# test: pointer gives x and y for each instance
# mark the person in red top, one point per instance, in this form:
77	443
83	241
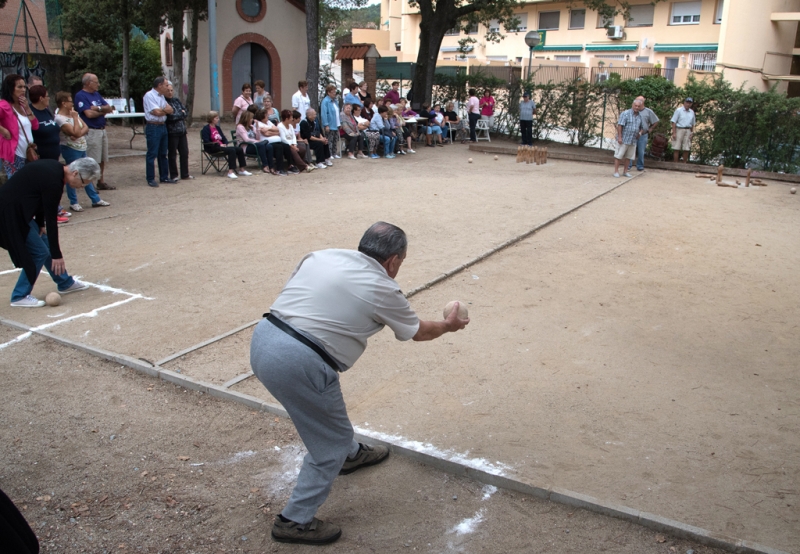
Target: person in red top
487	107
393	96
16	124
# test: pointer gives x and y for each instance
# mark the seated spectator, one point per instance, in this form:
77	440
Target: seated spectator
351	97
350	133
268	134
73	147
311	132
272	114
286	129
432	129
406	109
440	121
363	127
246	135
214	141
329	120
380	123
302	144
241	103
367	111
260	94
399	128
452	121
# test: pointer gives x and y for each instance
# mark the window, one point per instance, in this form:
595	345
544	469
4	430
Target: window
703	61
720	5
454	32
523	21
549	21
686	13
497	58
494	26
168	51
641	15
610	57
577	19
604	21
251	8
645	59
567	58
473	30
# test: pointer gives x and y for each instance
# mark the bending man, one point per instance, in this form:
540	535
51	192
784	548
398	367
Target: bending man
317	328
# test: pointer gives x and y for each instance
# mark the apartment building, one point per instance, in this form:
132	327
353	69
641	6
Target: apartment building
755	42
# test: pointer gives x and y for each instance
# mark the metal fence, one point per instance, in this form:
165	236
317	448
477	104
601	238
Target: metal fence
603	73
544	74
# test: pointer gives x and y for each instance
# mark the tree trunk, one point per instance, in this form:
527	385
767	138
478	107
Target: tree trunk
192	64
430	40
312	40
177	53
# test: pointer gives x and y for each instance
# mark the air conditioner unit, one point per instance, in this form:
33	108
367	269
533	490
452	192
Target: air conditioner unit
614	32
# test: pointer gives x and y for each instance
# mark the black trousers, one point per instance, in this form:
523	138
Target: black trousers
321	150
355	144
231	151
177	144
526	129
473	121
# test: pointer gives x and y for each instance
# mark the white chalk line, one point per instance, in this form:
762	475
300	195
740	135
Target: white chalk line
92	313
7	271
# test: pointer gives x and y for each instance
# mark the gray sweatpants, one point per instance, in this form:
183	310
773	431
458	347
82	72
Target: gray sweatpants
309	390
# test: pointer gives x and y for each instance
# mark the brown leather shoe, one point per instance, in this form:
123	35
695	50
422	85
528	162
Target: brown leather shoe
102	185
315	532
367	456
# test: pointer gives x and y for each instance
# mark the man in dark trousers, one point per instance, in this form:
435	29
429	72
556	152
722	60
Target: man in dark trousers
28	227
317	328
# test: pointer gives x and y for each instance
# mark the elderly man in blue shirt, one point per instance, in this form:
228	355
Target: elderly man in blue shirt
629	129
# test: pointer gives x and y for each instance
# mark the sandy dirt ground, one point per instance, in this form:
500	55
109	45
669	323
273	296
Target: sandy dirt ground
640	350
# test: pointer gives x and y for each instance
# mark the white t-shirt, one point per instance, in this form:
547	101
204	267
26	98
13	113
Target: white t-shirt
287	134
67	140
262	127
301	103
25	135
341	298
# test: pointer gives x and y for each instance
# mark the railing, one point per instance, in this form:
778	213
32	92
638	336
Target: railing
603	73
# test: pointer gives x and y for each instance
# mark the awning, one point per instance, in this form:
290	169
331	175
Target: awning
357	52
561	48
612	47
455	49
710	47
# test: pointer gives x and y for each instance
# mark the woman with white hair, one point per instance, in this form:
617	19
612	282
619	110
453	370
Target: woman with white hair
28	226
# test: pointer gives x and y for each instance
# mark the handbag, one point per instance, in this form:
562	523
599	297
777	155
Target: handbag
31	154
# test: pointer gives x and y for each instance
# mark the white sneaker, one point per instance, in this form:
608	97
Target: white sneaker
328	162
626	174
245	172
76	286
232	176
409	150
321	166
616	174
100	204
337	156
309	168
28	302
351	157
76	207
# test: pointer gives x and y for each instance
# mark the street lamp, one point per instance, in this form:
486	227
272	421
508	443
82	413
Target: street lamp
532	39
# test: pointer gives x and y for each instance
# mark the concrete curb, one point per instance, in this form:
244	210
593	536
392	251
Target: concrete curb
511	150
553	494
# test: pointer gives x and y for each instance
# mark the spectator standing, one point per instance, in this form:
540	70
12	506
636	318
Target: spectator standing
311	132
629	129
300	100
73	147
177	142
34	80
93	108
527	109
156	111
260	94
46	137
272	114
352	95
329	118
393	96
242	102
683	122
363	93
214	141
308	338
649	122
28	225
473	113
16	124
487	107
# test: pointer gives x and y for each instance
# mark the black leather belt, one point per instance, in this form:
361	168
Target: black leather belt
295	335
155	122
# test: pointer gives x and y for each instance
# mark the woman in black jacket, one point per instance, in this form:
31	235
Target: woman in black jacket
176	133
214	141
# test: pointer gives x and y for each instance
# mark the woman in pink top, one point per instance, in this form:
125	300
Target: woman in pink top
487	107
15	115
240	104
474	114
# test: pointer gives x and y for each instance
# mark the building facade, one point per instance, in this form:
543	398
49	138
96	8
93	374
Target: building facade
256	40
753	41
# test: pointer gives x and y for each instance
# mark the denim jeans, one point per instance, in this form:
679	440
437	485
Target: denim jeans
434	129
641	144
39	249
388	144
70	155
259	149
156	136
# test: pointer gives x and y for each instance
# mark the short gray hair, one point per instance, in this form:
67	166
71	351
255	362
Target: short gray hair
382	241
158	80
86	78
87	168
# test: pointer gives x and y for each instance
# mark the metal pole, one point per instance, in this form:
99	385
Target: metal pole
530	60
16	23
212	55
25	23
603	122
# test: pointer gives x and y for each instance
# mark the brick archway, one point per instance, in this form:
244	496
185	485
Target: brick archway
227	68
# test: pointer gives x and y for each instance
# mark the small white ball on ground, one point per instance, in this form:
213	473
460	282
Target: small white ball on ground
463	313
793	190
496	158
469	160
52	299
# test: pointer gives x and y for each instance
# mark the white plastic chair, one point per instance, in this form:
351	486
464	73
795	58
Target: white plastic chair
482	128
